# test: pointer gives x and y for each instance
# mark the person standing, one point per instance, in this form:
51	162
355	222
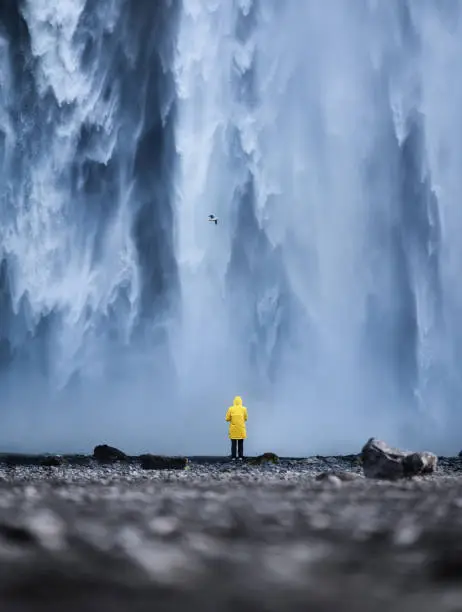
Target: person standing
236	416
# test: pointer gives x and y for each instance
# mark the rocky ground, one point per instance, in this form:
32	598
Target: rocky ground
226	537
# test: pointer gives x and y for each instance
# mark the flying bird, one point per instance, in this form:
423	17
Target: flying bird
213	219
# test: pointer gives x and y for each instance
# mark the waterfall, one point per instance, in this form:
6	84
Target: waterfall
88	267
324	136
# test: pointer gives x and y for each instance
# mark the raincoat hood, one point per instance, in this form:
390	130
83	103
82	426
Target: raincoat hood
238	401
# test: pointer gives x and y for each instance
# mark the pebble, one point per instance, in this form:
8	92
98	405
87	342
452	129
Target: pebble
224	536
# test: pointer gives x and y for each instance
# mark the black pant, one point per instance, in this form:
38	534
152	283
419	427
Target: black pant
240	448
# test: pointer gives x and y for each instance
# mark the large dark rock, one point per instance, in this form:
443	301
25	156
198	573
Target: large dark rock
382	461
160	462
108	454
265	458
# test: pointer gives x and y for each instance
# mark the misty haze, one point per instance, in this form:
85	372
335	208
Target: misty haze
326	137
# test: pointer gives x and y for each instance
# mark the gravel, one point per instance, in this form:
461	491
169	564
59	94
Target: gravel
307	534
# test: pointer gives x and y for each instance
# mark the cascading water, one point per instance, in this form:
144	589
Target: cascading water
88	267
325	138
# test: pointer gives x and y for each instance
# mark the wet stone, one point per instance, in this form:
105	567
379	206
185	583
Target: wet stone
108	454
381	461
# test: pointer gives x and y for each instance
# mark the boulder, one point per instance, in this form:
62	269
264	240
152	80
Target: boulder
384	462
108	454
265	458
160	462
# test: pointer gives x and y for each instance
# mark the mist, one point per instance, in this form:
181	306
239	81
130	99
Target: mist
326	137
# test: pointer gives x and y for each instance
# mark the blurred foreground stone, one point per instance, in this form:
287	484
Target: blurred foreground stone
309	534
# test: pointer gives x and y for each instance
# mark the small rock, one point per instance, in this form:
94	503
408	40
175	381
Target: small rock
340	475
16	534
265	458
330	477
48	528
164	526
53	461
160	462
384	462
108	454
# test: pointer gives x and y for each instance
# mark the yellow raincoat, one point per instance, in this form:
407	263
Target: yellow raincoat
236	416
